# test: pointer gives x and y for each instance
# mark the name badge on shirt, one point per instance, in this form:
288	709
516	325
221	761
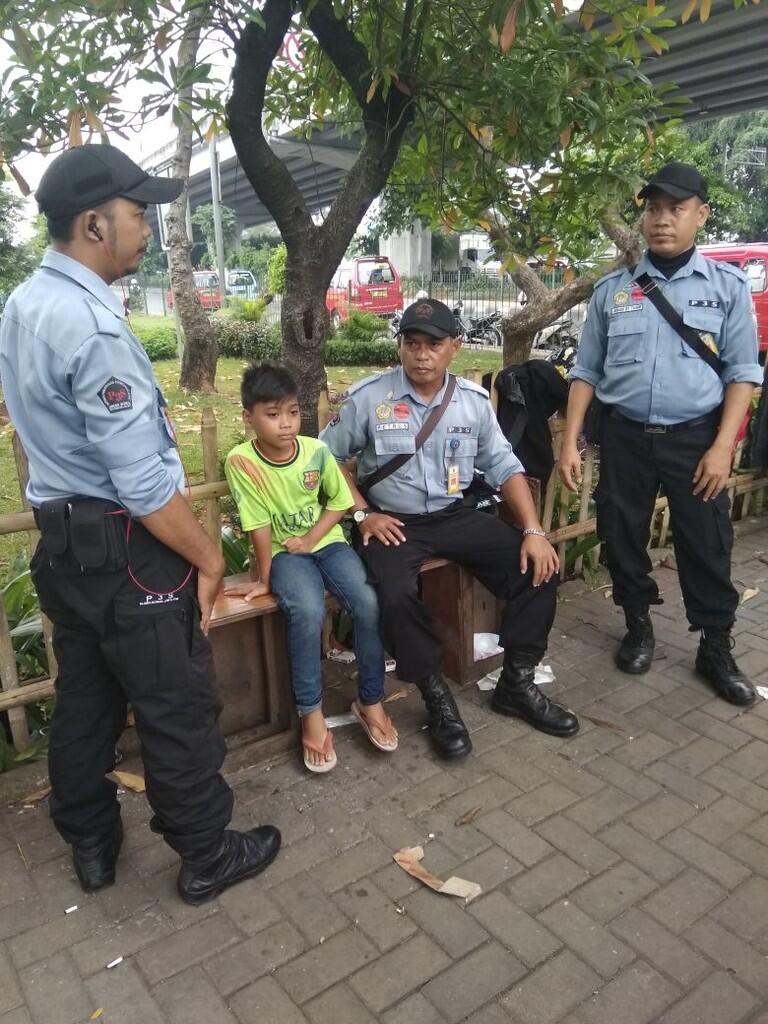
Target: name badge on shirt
705	303
453	479
633	307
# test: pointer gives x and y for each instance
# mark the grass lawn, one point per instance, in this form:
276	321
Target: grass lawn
186	410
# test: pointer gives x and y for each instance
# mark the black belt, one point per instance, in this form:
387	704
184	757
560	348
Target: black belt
710	419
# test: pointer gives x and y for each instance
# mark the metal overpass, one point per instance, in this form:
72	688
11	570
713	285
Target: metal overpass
720	65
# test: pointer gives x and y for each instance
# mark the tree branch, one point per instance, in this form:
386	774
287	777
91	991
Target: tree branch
255	52
384	120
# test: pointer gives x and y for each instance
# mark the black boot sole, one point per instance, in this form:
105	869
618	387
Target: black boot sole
211	894
535	724
724	696
452	755
632	670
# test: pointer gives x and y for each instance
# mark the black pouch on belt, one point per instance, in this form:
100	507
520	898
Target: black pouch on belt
81	536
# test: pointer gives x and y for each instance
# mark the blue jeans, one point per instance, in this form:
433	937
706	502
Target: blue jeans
299	583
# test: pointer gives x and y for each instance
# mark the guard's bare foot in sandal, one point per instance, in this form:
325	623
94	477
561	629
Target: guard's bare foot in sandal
317	743
377	724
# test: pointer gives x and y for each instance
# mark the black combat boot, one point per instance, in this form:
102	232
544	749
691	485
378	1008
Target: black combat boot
636	652
518	696
448	733
95	859
240	855
715	662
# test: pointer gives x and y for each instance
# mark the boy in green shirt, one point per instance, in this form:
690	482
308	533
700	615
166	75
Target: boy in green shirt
291	497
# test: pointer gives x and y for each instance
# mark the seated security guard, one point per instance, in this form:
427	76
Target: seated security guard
671	416
417	511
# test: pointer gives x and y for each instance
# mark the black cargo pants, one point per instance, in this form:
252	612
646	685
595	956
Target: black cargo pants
117	643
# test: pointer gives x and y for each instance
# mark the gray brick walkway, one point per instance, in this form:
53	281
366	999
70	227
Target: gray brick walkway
624	872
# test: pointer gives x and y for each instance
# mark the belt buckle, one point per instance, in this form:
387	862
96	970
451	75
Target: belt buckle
654	428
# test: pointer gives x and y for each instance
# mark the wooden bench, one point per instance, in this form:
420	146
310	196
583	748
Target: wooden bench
249	650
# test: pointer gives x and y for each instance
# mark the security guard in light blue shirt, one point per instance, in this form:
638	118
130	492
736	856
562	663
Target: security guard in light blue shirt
418	511
81	392
123	570
669	419
387	409
639	364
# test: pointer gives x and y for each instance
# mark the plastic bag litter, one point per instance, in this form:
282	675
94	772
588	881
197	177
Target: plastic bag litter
544	675
336	721
762	691
346	657
486	645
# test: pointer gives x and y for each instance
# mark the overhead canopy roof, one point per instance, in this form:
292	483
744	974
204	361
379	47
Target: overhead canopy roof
721	65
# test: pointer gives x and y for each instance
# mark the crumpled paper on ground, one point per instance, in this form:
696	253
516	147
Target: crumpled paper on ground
762	691
544	675
408	859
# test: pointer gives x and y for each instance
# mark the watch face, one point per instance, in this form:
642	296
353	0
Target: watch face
359	515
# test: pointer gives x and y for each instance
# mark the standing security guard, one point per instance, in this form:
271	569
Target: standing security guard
671	415
123	569
415	510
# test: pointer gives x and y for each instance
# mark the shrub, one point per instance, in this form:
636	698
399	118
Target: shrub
362	328
340	352
158	340
251	310
276	269
246	339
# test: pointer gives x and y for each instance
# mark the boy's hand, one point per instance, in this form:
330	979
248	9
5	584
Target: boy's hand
298	545
247	590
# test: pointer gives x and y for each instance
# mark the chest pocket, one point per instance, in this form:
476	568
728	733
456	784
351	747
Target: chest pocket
463	457
390	445
626	339
705	321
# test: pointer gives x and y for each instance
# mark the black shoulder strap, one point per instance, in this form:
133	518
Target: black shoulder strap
689	334
427	427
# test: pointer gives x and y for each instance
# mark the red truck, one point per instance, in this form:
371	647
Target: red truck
752	258
370	284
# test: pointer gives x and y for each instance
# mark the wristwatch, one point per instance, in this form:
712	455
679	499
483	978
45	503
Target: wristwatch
361	514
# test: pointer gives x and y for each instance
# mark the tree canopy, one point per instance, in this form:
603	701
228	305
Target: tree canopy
505	111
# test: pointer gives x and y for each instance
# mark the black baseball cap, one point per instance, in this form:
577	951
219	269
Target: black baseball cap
86	176
431	317
681	181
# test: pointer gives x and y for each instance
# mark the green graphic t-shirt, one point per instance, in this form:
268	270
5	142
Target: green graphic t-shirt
288	496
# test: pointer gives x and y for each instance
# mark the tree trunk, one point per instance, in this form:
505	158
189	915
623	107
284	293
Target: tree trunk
198	362
305	323
313	252
517	342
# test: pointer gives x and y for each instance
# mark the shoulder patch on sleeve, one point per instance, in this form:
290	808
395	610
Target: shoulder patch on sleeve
362	384
728	268
612	276
469	385
116	395
105	321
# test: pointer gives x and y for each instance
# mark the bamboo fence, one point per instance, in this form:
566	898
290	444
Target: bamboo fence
750	487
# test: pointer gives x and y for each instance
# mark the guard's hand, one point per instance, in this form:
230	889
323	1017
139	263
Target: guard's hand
247	590
383	528
712	472
541	556
297	545
569	467
208	586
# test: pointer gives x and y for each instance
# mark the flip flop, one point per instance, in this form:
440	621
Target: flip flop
357	711
326	747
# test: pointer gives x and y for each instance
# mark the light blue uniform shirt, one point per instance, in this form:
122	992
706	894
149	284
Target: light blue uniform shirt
381	417
641	365
82	395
